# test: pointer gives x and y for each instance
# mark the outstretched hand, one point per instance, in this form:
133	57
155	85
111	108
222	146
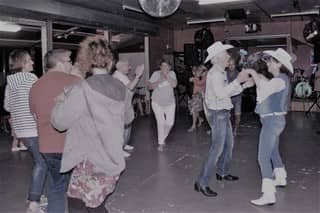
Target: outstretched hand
139	70
248	83
249	71
242	77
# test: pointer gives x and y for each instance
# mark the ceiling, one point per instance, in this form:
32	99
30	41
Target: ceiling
256	10
68	36
112	15
75	19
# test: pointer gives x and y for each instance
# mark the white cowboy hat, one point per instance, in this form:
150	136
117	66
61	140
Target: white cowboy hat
282	56
216	48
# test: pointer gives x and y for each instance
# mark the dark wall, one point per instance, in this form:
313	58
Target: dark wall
160	45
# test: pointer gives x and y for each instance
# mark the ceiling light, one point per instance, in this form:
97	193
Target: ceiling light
9	27
200	21
303	13
131	8
204	2
271	45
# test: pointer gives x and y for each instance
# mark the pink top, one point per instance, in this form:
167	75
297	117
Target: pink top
199	85
42	95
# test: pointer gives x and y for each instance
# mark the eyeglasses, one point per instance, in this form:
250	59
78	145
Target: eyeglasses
266	58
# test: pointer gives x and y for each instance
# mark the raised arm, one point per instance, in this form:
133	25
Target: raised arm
139	72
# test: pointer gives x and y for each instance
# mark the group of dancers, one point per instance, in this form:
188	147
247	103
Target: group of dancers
273	95
94	138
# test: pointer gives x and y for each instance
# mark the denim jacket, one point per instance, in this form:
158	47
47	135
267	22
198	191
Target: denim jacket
277	103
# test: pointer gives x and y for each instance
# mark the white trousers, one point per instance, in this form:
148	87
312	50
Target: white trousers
165	120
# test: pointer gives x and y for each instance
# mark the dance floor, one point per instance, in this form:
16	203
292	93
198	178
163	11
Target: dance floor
162	182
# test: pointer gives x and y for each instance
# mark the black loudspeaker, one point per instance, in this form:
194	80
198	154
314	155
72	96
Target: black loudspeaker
203	38
311	31
190	54
316	53
237	14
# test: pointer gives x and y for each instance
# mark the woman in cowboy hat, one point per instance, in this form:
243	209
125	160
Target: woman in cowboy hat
272	105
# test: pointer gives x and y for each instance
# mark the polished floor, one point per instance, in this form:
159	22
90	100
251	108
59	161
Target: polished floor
162	182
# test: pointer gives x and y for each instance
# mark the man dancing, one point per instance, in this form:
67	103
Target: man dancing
217	98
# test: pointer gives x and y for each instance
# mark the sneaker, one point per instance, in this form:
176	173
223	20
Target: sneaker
128	148
43	201
191	129
161	147
126	154
34	207
14	149
22	147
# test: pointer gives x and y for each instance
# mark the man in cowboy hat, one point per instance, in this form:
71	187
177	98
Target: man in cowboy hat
217	98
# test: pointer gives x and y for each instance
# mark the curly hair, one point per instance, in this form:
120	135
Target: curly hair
93	52
17	60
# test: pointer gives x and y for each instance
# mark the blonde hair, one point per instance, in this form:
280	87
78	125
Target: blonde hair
17	60
93	52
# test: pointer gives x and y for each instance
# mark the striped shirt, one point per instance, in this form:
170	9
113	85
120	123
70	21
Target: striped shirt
16	102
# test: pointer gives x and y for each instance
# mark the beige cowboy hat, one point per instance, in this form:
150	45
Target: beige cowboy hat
282	56
215	49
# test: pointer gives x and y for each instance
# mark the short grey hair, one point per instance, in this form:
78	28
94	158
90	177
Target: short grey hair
52	57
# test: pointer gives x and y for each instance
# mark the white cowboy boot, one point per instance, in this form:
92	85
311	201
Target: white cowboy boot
280	175
268	197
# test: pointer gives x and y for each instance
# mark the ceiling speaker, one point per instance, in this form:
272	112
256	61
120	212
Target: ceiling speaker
159	8
311	31
203	38
237	14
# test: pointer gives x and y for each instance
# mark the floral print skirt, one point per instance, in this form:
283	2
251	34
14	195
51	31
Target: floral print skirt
196	103
90	185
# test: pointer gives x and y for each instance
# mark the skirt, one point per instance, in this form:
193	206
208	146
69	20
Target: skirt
196	103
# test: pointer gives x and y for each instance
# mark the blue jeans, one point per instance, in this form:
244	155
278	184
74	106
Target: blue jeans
268	154
127	134
39	169
58	183
220	153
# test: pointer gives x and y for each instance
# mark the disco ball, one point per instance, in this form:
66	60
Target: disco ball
159	8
